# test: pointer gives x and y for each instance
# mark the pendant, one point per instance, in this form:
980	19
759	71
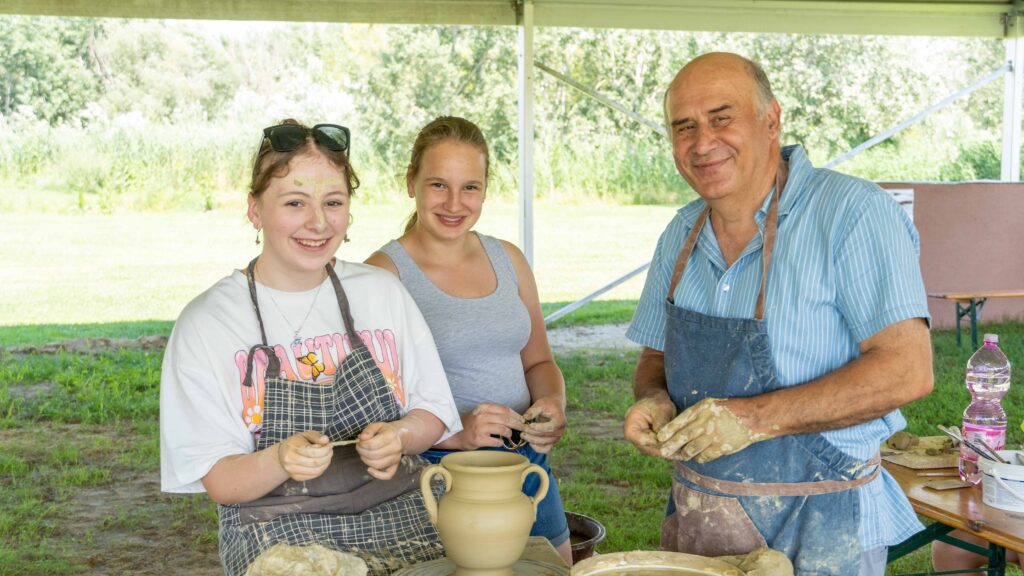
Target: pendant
296	341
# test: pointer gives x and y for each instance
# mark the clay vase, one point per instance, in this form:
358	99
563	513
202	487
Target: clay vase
483	518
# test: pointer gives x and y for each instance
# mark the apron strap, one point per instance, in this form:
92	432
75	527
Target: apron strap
771	226
250	275
770	229
273	364
346	312
779	488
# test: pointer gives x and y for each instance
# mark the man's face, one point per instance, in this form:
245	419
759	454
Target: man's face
720	145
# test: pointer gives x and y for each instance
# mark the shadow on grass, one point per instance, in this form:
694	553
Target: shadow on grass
39	334
598	312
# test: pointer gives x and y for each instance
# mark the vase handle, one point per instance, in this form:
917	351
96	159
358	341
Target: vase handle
542	491
428	495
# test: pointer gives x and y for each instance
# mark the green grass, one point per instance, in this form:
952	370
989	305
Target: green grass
94	427
98	269
73	425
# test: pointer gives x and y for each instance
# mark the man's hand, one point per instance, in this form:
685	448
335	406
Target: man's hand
706	431
304	456
548	424
380	448
644	419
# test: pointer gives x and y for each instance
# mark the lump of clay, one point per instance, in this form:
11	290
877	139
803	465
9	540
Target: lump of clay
902	441
311	560
761	562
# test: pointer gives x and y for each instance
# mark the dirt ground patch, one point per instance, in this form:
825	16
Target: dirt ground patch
116	521
119	523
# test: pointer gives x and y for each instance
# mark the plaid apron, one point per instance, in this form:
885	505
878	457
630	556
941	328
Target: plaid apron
383	522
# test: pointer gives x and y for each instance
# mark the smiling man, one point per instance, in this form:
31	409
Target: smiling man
784	322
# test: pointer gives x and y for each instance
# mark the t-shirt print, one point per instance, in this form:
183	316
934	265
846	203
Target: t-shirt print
316	360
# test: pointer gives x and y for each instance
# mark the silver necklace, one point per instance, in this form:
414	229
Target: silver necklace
295	331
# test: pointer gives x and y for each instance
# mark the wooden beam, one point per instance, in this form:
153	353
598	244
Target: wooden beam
474	12
964	18
881	17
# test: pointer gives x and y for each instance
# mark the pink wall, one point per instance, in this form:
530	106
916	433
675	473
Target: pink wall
972	238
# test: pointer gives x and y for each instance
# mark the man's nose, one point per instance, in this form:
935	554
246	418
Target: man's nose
704	140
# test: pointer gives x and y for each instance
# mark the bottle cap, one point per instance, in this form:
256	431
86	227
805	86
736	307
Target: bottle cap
993	338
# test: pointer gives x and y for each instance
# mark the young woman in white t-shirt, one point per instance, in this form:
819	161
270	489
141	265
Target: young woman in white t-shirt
293	352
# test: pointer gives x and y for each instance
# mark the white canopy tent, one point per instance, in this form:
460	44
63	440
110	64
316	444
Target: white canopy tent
982	18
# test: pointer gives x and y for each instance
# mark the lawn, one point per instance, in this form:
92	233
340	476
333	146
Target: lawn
79	449
79	454
87	269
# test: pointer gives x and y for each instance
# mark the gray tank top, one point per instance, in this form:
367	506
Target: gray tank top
479	339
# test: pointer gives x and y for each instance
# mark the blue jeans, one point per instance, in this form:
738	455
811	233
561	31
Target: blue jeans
550	522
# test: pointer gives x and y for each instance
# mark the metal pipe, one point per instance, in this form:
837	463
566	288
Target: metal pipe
919	116
570	308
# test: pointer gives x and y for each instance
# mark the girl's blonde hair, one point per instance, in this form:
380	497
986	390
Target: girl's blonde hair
443	129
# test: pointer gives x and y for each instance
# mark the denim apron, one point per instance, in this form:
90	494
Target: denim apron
793	493
384	522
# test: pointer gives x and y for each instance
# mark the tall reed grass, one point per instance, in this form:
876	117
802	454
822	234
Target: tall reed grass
131	164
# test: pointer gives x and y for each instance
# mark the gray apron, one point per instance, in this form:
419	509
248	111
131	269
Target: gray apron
382	521
793	493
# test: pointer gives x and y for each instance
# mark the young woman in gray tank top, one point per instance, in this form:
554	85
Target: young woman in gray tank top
480	300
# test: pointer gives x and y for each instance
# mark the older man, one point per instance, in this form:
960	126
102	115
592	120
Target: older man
784	321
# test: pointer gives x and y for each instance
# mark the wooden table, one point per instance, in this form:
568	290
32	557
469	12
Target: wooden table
959	509
970	304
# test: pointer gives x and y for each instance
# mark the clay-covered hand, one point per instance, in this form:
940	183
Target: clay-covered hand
486	424
761	562
304	456
545	423
706	431
380	448
644	419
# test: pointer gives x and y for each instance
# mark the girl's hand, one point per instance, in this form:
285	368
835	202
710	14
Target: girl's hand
486	424
545	423
304	456
380	448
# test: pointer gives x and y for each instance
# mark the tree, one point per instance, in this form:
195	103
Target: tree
48	64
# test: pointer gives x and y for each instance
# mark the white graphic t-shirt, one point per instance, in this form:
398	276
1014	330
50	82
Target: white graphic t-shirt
205	411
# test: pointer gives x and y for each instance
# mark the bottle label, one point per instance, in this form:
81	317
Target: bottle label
993	435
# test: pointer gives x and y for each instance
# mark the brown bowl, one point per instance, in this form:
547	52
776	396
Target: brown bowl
584	534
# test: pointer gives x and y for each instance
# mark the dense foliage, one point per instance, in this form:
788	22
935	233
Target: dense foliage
108	114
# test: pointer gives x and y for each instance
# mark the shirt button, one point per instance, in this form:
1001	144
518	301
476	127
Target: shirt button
725	288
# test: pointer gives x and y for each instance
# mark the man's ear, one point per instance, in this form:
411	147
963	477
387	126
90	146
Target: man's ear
775	119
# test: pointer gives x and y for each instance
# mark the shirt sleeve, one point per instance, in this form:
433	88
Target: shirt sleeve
878	270
197	426
648	325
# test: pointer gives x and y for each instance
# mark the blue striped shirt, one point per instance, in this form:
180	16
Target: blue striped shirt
845	266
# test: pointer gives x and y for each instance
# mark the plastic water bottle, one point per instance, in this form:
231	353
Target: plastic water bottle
988	379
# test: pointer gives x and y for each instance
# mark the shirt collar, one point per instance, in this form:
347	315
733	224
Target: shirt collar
799	171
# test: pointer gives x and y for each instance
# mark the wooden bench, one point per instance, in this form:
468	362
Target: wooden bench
970	303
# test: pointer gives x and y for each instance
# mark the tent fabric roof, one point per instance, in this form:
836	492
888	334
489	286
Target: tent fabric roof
881	17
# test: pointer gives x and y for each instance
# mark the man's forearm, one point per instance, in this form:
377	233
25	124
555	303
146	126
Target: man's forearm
894	368
649	380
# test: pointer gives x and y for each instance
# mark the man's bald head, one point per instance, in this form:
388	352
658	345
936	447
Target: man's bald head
722	61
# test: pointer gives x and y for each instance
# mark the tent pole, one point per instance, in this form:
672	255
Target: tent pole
525	88
1012	95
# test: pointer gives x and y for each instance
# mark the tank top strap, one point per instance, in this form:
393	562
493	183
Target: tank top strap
500	262
407	268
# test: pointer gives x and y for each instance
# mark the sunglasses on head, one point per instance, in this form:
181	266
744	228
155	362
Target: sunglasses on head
288	137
